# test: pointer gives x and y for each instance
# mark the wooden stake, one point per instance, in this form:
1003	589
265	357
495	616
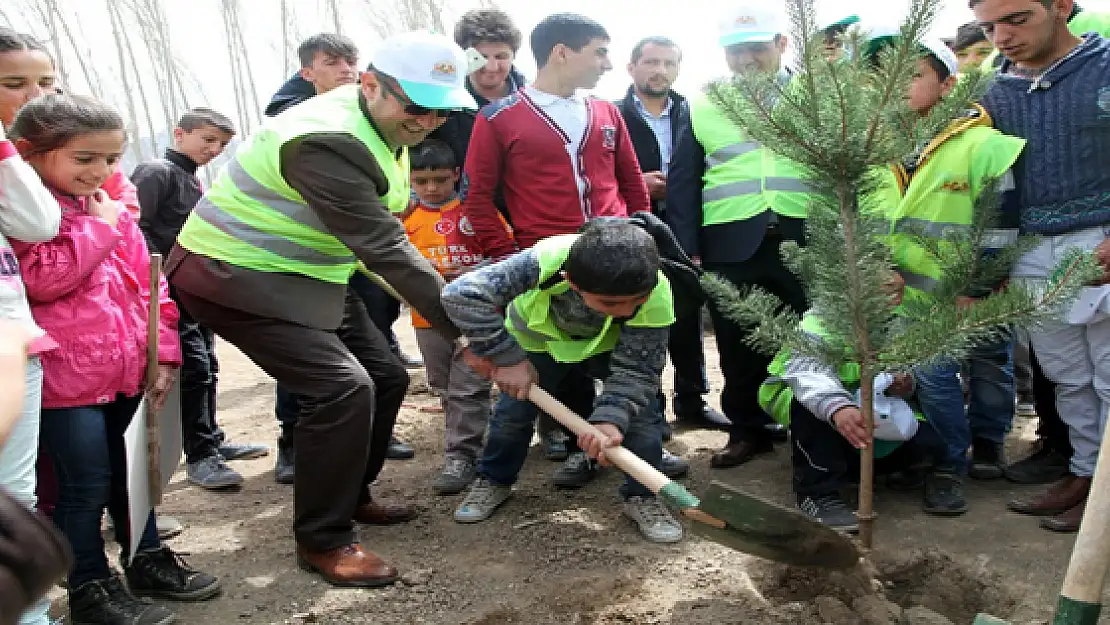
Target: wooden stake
153	429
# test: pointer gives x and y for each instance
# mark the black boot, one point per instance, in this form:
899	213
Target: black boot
163	573
1044	466
107	602
399	450
284	468
986	460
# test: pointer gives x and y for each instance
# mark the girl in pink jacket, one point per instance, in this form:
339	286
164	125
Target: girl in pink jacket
89	288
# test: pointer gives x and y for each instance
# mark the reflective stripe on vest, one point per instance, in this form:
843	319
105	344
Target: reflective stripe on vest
939	202
251	217
741	178
528	316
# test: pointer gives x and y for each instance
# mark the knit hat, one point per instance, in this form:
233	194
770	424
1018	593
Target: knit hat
430	68
751	23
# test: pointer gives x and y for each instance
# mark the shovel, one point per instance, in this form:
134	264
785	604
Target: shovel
1080	600
726	515
153	434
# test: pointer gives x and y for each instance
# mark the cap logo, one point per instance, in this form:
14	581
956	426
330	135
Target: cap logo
444	69
746	20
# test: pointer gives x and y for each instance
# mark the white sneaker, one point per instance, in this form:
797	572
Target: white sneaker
484	497
654	519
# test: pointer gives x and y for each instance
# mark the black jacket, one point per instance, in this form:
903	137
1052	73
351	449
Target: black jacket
168	189
643	139
455	132
293	92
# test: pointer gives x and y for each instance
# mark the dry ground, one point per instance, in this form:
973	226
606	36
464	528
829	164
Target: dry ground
553	557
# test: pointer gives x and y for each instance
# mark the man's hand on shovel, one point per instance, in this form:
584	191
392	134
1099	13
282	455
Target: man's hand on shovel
595	445
515	380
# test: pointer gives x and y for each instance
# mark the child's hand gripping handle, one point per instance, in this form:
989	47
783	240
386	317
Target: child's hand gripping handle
625	460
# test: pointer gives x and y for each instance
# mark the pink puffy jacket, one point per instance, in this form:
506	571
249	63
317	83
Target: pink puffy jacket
89	288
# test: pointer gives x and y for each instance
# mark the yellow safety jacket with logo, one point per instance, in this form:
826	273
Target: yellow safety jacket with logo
742	178
775	395
528	317
939	198
252	218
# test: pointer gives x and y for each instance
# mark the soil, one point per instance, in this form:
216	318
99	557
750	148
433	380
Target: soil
552	557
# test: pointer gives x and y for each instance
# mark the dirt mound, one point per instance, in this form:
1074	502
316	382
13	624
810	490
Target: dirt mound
922	587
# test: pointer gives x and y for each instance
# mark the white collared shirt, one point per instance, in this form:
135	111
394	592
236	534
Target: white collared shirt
570	115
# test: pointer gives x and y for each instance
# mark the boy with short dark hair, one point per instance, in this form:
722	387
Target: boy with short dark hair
328	60
168	189
971	46
436	225
593	303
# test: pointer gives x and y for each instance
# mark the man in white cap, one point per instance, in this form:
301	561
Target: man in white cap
732	204
264	261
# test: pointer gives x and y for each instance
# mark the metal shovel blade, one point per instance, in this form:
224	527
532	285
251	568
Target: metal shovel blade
769	530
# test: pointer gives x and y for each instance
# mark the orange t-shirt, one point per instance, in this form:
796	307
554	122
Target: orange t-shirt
445	237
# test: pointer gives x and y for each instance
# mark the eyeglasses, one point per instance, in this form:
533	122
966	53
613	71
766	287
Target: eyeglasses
411	107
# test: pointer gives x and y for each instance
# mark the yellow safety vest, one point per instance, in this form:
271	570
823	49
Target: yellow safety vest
940	197
742	178
252	218
528	316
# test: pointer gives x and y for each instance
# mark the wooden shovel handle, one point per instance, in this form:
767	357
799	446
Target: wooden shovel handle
625	460
1091	554
153	318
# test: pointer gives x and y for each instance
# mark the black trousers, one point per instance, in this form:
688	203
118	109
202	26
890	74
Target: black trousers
824	461
1050	427
745	369
200	435
688	359
350	387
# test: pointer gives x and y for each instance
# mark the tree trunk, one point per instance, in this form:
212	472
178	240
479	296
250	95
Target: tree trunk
866	512
113	6
117	37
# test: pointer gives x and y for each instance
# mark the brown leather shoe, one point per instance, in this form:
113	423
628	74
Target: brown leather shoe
735	454
384	513
1061	496
1066	522
349	566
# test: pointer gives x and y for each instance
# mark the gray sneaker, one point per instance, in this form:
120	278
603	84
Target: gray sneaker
213	473
458	473
577	471
654	519
484	497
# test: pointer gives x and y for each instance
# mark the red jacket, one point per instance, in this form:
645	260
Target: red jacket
517	149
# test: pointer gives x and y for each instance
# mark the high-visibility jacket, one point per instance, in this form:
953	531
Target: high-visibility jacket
252	218
742	178
528	316
775	395
1082	22
939	199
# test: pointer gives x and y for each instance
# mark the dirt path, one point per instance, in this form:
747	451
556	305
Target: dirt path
552	557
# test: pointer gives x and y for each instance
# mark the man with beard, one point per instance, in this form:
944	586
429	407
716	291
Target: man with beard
655	114
264	260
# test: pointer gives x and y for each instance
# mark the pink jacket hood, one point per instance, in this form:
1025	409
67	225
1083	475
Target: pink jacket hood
89	288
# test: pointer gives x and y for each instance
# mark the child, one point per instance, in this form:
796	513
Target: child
436	226
89	288
971	46
810	398
936	190
28	212
168	189
593	303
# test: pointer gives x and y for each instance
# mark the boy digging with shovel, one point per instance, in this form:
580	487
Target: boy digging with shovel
596	302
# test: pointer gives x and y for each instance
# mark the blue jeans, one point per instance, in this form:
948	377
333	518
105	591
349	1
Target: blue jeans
86	446
992	401
511	426
990	410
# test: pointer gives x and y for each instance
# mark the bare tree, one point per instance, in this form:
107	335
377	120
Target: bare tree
129	99
333	11
123	39
403	15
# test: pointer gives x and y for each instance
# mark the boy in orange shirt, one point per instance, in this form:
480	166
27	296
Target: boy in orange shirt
436	225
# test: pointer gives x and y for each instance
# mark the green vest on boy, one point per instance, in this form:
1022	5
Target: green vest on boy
252	218
775	395
528	316
742	178
940	197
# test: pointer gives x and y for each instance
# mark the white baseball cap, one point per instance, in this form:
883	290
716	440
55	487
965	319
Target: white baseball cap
934	45
430	68
751	24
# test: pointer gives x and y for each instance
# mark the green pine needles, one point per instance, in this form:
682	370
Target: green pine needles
845	122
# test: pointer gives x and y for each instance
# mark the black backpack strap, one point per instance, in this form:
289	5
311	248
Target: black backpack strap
555	278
